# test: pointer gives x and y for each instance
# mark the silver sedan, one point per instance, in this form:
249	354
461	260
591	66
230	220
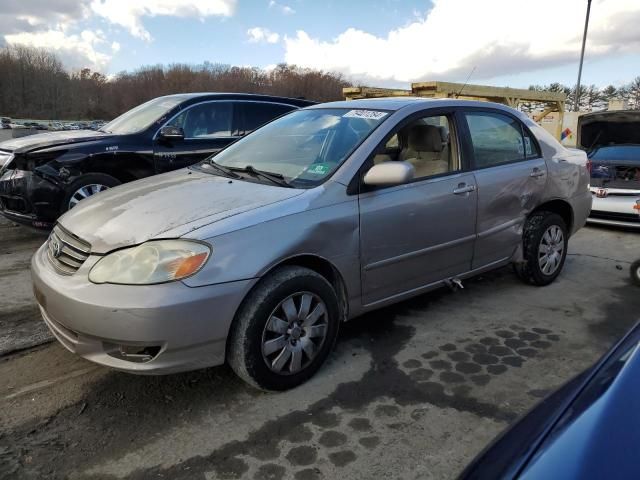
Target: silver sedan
257	255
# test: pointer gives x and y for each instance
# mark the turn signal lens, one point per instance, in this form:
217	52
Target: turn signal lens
184	267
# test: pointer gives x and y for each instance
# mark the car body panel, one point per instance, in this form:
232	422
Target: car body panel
587	429
429	248
164	207
253	226
83	318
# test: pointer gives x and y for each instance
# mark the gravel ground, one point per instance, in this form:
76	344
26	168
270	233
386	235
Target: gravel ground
412	391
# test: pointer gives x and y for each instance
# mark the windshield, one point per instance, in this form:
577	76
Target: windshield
617	152
305	146
142	116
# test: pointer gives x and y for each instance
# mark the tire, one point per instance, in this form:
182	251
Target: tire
252	330
634	271
533	270
87	181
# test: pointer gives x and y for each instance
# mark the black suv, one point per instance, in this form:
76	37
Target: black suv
42	176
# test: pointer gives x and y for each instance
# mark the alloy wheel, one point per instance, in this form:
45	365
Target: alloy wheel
85	192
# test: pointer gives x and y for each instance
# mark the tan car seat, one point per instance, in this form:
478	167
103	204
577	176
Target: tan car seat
424	151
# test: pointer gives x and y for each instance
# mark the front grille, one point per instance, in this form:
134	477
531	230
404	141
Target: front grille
66	252
620	217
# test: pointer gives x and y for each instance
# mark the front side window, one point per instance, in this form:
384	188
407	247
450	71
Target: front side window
497	139
306	146
205	120
426	144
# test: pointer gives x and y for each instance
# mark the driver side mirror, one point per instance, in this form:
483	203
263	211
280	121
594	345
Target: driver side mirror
172	133
389	173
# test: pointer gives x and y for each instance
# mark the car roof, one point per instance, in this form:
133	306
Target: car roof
398	103
199	96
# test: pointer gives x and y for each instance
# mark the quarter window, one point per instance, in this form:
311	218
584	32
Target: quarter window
206	120
497	139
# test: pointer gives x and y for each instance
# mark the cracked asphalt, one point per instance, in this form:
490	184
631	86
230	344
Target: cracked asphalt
415	390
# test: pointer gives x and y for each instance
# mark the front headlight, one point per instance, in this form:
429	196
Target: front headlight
157	261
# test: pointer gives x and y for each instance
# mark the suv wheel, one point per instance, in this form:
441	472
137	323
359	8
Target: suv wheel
544	247
86	186
284	330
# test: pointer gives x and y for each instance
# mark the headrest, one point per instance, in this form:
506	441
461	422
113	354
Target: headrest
425	138
444	133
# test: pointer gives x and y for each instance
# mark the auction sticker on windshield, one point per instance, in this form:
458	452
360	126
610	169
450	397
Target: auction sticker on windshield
319	169
367	114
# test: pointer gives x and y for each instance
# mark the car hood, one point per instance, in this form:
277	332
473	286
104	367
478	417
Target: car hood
51	139
608	128
165	206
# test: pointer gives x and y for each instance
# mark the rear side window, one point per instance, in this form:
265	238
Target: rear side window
255	115
498	139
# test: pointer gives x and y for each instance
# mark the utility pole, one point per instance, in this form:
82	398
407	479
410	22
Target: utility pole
576	102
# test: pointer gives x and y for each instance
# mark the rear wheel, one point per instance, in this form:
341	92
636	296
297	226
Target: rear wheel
86	186
284	329
634	271
544	248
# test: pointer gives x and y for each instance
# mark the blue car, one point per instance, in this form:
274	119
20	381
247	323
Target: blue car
588	429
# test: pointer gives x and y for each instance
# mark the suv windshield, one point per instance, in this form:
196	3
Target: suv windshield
305	146
142	116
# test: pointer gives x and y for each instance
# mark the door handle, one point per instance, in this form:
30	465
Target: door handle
536	172
463	188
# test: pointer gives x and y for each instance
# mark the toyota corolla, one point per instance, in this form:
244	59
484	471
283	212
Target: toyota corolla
255	256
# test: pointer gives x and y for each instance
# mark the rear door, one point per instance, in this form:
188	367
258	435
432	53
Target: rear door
510	173
208	127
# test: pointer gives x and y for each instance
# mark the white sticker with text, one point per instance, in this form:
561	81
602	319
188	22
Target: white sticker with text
366	114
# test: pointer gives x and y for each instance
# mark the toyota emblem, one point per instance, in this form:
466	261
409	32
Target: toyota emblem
602	192
56	248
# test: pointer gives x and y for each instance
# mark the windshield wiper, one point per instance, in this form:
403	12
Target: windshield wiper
276	178
225	170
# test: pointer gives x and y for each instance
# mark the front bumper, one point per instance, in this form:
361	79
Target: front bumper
29	199
178	328
615	210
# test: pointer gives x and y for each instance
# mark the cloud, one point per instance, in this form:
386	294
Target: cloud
75	50
495	36
262	35
128	13
35	15
284	9
115	47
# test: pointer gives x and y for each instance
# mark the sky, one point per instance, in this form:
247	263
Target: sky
387	43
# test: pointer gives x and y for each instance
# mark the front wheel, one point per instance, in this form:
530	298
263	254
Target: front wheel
284	329
634	271
544	248
86	186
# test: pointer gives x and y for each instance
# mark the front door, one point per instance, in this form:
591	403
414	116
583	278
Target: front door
415	234
208	128
511	174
